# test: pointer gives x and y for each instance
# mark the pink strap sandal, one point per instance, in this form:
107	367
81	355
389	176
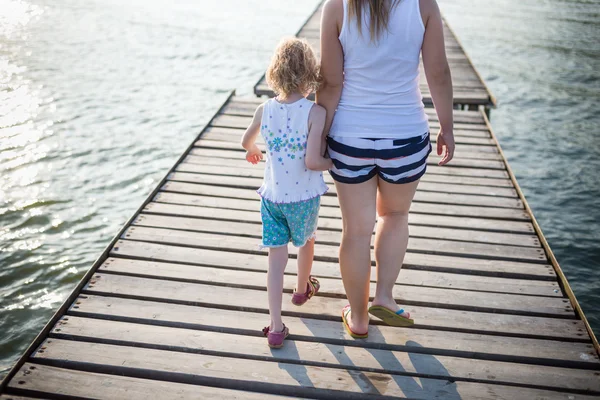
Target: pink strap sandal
275	339
312	288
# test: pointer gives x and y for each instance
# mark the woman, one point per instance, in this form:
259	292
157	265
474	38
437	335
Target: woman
378	135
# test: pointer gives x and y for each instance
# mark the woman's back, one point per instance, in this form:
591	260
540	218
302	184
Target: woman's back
381	96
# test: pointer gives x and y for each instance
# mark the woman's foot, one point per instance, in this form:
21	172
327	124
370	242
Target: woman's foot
275	339
392	306
390	313
355	330
312	288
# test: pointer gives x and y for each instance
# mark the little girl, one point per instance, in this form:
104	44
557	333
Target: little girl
292	129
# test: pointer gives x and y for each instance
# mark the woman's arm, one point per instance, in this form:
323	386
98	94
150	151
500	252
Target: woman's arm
438	76
332	60
314	159
253	153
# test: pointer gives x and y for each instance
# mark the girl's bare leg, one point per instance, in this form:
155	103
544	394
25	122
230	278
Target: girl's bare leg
305	261
278	258
357	202
391	238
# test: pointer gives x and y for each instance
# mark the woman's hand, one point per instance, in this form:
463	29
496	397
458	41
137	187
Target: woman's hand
445	146
254	155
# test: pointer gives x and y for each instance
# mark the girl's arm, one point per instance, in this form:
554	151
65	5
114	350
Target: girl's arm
438	76
332	60
314	157
253	153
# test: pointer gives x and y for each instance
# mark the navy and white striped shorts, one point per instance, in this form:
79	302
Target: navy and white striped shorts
357	160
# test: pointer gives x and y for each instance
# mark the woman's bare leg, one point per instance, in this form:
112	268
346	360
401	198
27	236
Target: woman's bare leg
391	238
357	202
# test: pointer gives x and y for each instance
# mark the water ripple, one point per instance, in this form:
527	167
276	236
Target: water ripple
97	100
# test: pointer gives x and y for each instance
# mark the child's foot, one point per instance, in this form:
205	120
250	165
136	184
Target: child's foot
312	288
275	339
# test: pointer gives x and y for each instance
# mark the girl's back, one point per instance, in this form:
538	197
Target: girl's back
381	96
284	128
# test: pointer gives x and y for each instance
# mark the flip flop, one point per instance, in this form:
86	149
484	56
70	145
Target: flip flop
355	335
390	317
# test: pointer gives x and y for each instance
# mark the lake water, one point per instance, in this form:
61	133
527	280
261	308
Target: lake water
99	98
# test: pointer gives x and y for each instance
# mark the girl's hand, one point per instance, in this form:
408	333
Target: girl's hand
445	145
254	155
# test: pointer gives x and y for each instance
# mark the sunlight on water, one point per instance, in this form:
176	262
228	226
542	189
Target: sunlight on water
15	15
97	100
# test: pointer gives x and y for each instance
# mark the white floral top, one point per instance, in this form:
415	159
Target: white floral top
284	128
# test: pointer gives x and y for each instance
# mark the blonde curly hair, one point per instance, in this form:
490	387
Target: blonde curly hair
293	68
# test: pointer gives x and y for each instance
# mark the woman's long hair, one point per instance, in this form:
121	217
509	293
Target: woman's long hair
379	14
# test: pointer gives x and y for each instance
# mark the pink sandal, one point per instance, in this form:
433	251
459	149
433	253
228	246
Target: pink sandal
275	339
312	288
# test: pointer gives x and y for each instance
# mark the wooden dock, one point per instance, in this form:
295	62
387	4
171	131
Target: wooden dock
470	90
174	307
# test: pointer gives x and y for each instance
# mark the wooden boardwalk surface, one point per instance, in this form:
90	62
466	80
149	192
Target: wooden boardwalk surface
470	90
175	306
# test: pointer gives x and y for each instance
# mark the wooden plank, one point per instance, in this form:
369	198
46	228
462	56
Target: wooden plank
256	171
461	94
497	175
422	204
329	308
481	225
462	152
234	125
448	193
433	159
239	220
508	303
332	291
314	328
468	135
463	138
479	134
464	92
313	353
328	251
468	148
412	261
51	381
241	122
246	107
195	273
271	377
507	195
453	241
466	84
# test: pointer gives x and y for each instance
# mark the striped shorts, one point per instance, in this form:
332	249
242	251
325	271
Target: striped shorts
357	160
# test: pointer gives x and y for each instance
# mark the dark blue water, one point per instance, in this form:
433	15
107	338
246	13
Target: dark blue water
541	59
98	98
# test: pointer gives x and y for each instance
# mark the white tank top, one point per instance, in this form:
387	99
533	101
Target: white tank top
284	128
381	96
